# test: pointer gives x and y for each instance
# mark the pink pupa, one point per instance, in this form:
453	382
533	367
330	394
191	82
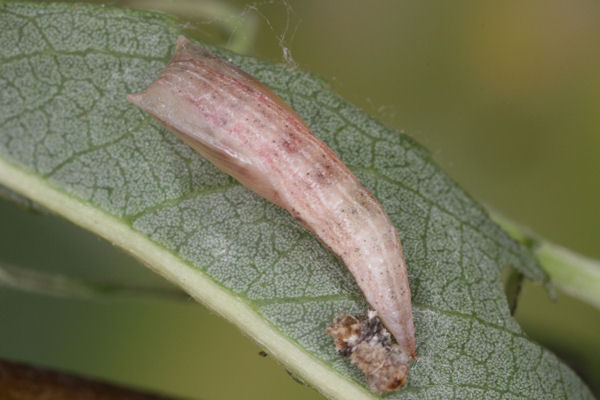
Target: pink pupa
243	128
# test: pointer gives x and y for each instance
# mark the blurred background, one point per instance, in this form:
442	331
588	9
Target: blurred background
504	94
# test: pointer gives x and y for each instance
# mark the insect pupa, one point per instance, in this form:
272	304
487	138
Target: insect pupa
247	131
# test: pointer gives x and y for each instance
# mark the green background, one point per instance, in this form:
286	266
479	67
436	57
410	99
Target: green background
504	94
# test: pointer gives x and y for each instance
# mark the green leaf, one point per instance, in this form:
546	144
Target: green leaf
70	141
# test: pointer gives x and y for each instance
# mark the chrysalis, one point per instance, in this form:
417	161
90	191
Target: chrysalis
247	131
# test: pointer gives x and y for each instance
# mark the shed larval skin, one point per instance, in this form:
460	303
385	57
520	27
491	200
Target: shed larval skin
247	131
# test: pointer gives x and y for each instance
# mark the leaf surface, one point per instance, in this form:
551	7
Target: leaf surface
70	141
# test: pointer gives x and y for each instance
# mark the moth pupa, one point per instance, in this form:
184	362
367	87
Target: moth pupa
247	131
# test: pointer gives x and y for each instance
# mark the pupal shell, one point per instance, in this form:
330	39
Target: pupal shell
247	131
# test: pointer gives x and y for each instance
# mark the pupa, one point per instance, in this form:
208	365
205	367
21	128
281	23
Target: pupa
246	130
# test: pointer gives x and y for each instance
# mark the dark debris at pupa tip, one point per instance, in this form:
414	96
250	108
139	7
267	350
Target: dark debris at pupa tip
368	345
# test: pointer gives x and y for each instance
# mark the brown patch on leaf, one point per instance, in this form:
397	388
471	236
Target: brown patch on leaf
368	345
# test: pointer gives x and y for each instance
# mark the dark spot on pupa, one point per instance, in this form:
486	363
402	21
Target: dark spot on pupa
323	175
366	199
259	123
289	146
289	142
